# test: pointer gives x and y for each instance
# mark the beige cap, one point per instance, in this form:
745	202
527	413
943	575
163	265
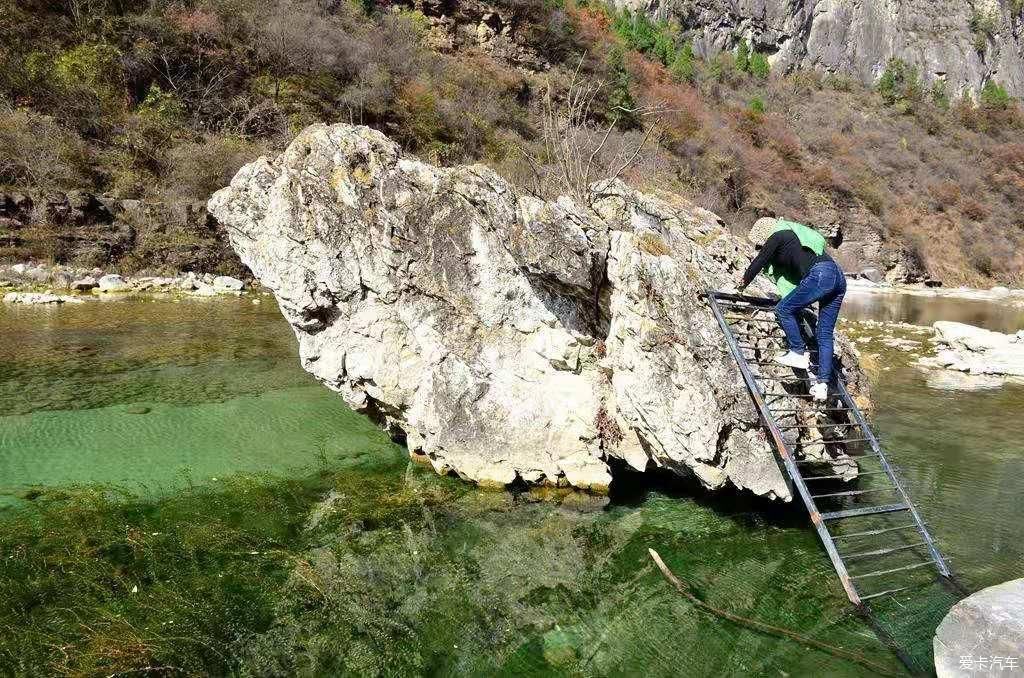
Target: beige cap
762	230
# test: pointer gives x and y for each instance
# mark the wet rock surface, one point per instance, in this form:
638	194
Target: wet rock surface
984	628
501	337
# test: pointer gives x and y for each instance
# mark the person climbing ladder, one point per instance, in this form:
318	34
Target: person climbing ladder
793	257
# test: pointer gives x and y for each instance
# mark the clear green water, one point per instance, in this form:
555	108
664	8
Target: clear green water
415	574
155	394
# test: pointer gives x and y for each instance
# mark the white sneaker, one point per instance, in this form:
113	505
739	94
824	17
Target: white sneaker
800	361
819	392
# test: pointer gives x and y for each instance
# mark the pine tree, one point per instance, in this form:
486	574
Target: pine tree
621	104
683	66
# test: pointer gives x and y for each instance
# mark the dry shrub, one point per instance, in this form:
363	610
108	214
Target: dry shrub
946	194
36	150
200	22
652	244
974	209
196	170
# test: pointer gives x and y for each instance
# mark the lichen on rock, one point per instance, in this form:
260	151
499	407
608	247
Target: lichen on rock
500	336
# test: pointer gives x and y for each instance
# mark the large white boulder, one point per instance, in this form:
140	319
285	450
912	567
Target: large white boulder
112	282
981	628
498	335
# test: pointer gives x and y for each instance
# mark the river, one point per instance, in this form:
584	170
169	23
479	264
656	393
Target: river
157	396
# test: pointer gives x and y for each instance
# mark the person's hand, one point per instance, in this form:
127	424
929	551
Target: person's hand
738	282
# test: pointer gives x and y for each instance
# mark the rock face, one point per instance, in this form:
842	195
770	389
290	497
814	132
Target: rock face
984	626
499	336
961	43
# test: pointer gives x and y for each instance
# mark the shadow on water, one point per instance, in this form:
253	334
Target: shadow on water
633	489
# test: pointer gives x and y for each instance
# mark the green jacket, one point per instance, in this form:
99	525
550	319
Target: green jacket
809	238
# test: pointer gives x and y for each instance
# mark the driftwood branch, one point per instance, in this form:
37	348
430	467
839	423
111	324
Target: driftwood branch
763	627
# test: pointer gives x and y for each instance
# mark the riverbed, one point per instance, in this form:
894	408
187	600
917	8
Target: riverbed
160	396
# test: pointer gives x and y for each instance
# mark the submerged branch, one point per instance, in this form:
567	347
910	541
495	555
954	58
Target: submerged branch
763	627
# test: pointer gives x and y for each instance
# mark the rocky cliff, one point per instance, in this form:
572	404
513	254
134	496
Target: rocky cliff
963	43
502	337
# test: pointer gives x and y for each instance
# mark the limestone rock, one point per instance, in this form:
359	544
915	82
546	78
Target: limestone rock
112	282
84	284
497	335
989	624
228	284
859	38
38	298
977	352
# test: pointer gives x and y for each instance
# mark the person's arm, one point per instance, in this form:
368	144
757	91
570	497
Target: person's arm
763	257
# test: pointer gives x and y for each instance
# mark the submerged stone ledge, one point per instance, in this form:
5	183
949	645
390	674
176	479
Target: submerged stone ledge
501	337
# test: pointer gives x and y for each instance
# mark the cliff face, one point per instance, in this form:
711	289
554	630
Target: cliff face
961	42
499	336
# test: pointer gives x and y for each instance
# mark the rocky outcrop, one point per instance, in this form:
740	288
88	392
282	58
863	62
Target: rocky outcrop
983	634
961	43
992	356
502	337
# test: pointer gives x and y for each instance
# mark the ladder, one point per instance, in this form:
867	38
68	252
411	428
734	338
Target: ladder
874	535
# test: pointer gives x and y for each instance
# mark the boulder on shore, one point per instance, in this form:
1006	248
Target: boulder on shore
112	282
502	337
38	298
980	628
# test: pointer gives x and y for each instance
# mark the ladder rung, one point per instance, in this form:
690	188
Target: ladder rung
870	533
782	379
835	441
747	319
835	477
789	427
824	409
885	593
882	552
853	493
879	573
865	511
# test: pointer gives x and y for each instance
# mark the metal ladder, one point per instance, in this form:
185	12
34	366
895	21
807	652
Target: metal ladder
848	550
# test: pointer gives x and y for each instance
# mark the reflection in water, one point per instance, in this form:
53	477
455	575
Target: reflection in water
992	315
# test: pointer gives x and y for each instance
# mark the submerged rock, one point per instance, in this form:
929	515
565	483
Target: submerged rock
985	627
502	337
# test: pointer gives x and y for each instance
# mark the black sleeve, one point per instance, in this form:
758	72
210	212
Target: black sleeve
764	257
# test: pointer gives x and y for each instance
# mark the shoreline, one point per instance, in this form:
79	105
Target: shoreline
42	284
998	293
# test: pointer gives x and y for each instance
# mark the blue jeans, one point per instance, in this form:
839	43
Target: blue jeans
826	284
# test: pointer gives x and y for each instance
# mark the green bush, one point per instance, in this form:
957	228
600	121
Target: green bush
757	105
993	96
759	66
900	86
984	25
684	66
743	56
621	104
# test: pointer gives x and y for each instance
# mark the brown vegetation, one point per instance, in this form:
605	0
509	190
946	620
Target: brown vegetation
166	100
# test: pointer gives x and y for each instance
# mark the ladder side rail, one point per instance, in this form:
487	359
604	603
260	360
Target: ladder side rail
784	452
940	562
